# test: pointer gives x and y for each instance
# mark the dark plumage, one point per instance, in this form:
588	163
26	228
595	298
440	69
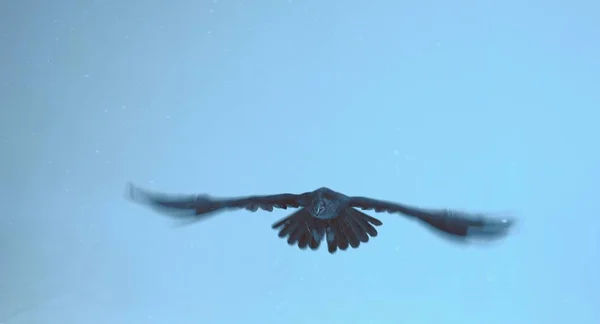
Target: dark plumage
327	215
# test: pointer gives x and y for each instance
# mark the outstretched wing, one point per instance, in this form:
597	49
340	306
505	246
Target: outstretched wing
196	207
460	225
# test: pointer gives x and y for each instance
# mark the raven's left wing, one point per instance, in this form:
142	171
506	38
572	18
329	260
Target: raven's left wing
454	223
196	207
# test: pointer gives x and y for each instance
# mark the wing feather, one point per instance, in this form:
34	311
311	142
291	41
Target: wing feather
200	206
457	224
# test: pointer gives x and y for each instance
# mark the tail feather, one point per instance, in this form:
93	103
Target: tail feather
356	226
296	235
361	234
350	229
314	244
290	224
364	221
347	233
304	240
294	227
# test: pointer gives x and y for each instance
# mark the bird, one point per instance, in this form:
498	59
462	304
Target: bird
325	215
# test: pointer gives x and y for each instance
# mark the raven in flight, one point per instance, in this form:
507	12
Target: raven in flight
327	215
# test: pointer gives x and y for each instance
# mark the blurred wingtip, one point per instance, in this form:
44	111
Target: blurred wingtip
512	224
499	226
160	203
506	220
129	191
134	193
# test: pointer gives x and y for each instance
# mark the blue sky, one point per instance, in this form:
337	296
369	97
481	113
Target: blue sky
482	106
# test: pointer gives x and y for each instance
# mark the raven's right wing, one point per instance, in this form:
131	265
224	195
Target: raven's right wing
454	223
195	207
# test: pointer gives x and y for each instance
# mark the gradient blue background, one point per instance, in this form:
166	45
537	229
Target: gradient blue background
475	105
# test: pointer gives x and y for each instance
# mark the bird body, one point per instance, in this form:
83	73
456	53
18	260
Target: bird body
327	215
325	203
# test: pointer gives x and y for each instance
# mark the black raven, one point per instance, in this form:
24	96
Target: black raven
327	214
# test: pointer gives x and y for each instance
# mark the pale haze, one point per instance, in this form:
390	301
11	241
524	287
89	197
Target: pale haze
482	106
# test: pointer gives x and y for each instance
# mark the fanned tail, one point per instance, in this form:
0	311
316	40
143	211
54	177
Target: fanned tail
349	229
301	229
